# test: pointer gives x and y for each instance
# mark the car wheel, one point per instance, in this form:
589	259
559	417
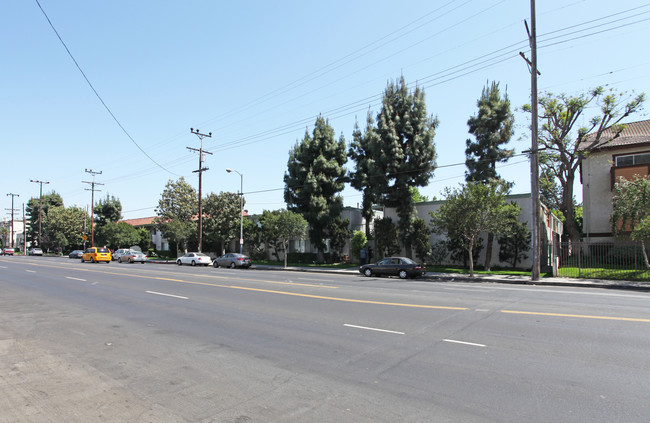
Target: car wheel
82	259
215	264
367	272
232	265
131	261
403	274
178	262
193	263
92	259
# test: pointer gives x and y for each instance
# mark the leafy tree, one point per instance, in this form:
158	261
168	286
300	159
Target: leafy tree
32	209
176	209
420	240
221	221
416	196
4	236
116	235
386	237
313	181
492	128
108	210
631	210
254	239
64	227
514	242
359	242
339	234
400	153
457	248
281	226
362	153
475	208
565	146
144	241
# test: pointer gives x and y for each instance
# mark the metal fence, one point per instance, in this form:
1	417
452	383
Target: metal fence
622	261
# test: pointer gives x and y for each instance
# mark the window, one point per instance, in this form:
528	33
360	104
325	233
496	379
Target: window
632	159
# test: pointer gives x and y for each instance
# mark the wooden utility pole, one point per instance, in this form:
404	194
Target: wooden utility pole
200	171
534	148
12	217
92	203
40	208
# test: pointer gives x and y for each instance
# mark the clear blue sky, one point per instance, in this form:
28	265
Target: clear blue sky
257	74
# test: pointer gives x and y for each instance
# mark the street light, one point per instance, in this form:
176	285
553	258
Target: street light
241	211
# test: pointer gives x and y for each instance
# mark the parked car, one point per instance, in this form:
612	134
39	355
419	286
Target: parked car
194	259
132	257
76	254
233	260
35	252
121	252
96	254
7	251
394	266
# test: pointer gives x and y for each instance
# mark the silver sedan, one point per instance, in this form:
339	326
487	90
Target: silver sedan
194	259
233	260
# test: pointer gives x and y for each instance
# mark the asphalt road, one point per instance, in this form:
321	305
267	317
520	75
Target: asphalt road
162	343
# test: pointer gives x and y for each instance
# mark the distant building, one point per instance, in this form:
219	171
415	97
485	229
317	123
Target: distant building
18	233
157	239
551	230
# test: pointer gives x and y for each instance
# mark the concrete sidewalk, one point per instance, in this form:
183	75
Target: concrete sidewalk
479	278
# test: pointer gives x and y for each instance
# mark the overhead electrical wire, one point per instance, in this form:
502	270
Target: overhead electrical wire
97	94
481	62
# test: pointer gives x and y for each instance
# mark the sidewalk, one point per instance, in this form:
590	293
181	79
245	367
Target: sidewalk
455	277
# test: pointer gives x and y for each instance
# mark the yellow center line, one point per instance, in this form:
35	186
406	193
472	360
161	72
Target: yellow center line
293	294
578	316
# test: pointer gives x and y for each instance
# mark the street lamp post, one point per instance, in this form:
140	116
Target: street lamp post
241	210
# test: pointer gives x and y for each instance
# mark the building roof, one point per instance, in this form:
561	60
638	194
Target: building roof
143	221
140	221
635	133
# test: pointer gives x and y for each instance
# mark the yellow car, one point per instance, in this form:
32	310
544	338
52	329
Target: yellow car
96	254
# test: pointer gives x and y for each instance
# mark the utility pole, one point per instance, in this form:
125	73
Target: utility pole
92	203
12	217
534	149
200	171
40	208
24	231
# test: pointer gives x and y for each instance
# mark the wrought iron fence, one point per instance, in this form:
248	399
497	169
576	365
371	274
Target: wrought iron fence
622	261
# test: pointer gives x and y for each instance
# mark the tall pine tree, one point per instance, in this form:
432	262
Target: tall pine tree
314	180
492	128
405	155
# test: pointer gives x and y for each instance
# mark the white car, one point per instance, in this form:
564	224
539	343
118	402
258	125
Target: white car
132	257
194	259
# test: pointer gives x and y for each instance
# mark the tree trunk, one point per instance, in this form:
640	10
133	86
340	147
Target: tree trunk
488	252
570	226
284	245
471	258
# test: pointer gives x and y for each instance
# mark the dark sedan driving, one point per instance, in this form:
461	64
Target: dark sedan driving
394	266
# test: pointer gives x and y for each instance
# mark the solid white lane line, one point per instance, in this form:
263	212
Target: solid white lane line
375	329
167	295
464	343
75	279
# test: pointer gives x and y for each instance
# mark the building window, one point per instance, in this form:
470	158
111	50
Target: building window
632	159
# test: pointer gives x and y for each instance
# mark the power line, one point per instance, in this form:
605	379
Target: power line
97	94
